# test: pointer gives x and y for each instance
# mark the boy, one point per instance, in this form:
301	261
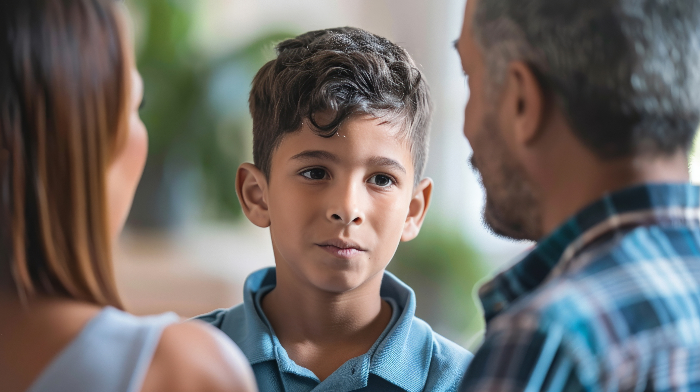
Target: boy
340	134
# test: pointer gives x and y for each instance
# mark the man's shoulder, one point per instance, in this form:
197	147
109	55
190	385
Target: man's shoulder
630	296
631	281
622	277
633	256
628	250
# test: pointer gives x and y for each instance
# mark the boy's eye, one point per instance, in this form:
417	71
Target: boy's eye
314	174
381	180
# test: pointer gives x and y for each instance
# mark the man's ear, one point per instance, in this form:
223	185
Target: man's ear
251	187
525	102
417	209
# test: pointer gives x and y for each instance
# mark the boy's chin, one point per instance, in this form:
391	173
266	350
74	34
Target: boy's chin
338	282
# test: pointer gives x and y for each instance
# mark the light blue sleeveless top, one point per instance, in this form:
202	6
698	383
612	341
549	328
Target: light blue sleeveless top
111	354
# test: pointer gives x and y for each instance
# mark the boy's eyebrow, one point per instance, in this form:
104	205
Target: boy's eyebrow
456	44
373	161
387	162
316	154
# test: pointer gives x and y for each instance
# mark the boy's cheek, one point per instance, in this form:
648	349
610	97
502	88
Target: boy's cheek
392	209
388	222
294	215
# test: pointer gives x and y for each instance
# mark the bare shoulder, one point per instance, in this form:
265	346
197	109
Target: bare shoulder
194	356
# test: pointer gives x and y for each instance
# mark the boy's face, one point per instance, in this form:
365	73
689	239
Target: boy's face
337	207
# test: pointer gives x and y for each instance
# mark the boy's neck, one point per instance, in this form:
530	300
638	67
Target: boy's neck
320	330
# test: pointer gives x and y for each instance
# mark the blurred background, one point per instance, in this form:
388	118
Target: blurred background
187	247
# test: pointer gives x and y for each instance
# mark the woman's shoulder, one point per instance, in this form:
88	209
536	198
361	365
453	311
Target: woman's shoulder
194	356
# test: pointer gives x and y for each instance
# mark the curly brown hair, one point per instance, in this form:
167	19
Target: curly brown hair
346	71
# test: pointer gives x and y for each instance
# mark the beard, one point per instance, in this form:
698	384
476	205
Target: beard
512	208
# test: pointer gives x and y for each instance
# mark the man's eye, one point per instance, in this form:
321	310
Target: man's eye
381	180
314	174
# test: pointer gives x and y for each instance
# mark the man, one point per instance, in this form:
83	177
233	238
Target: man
581	118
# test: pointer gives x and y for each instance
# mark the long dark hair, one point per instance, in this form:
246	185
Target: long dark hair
64	86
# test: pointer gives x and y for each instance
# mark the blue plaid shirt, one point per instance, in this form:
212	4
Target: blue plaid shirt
608	302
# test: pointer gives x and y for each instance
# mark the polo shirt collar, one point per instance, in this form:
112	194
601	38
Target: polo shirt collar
403	356
648	203
254	337
406	345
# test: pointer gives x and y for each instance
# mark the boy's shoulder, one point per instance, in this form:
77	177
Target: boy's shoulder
441	348
249	333
448	366
418	329
234	322
445	350
240	318
217	317
438	363
447	360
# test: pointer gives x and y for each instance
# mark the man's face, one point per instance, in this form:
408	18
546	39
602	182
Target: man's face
512	208
338	205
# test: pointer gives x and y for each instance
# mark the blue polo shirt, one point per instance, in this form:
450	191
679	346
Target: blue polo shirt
408	356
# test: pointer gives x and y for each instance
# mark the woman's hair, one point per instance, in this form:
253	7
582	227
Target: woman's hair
64	89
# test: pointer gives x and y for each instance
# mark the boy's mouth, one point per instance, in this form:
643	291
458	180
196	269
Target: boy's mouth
341	248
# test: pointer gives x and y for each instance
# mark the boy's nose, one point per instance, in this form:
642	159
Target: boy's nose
347	217
345	208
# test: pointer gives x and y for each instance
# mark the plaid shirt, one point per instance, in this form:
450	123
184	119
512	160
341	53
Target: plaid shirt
608	302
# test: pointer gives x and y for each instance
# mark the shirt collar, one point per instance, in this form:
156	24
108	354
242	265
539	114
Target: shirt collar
406	345
642	204
253	335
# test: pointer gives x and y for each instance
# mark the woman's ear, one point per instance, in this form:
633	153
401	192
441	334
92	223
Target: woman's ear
251	187
417	209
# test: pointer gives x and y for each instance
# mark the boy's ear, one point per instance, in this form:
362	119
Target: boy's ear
417	209
251	187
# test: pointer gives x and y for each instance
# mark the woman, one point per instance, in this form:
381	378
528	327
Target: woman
72	149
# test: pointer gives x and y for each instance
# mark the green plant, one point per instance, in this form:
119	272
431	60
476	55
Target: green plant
195	111
442	268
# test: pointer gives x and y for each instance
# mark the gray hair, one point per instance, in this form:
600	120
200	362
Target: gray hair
625	72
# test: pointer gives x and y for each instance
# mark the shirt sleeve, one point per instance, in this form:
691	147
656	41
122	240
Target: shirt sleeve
521	359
